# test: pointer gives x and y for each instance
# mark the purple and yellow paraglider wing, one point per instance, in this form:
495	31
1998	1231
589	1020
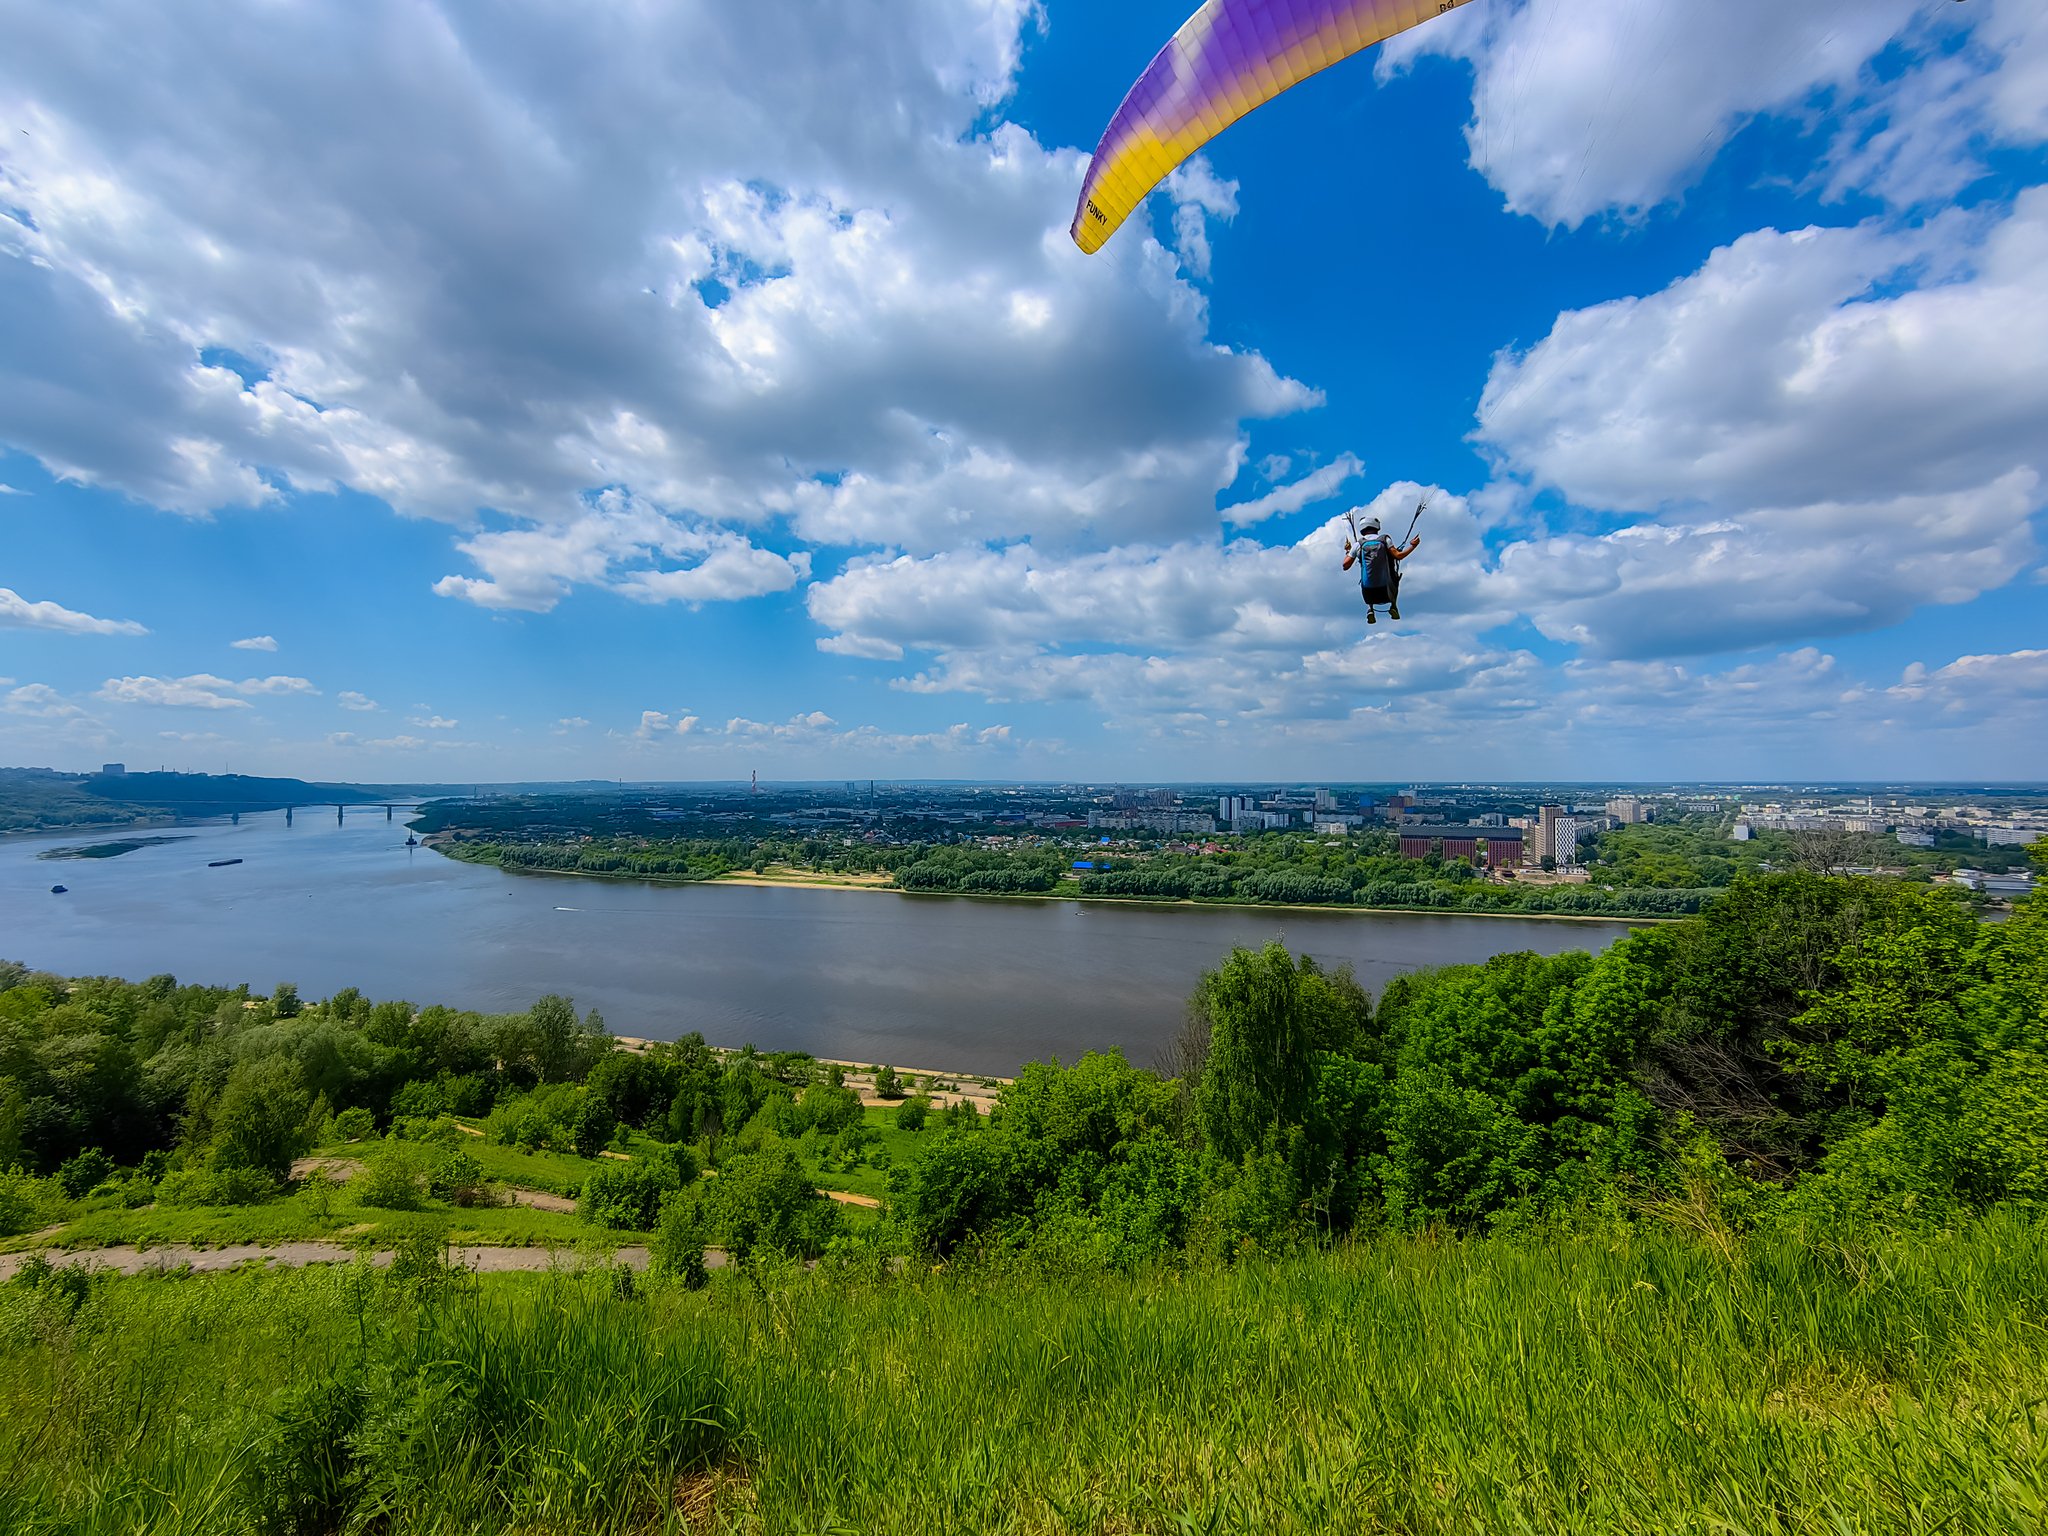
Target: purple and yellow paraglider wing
1227	58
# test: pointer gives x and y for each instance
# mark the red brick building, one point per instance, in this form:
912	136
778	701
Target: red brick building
1503	844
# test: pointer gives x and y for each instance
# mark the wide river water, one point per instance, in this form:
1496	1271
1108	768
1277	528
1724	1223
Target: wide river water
924	981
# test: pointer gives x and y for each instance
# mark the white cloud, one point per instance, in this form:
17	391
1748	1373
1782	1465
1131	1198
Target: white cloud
254	643
349	699
202	690
1829	427
1786	369
1585	108
1677	588
860	645
767	271
1317	485
275	685
191	736
196	692
17	612
433	723
628	547
1198	193
393	743
8	490
41	701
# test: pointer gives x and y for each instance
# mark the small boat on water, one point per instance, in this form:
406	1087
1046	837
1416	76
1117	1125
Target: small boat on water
56	890
411	841
222	863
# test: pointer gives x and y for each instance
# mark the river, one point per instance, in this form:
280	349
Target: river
931	982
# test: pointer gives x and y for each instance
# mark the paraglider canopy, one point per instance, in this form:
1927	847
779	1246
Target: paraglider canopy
1226	59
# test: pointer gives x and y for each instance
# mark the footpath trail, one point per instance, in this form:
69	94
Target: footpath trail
200	1259
170	1256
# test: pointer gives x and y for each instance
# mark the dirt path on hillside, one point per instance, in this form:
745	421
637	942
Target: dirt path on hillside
135	1261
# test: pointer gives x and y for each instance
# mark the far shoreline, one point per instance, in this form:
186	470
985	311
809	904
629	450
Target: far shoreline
1181	903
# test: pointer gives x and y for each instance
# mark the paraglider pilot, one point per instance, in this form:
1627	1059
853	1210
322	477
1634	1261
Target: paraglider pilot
1379	568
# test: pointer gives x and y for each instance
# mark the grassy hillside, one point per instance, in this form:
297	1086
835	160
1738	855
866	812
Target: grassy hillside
1647	1383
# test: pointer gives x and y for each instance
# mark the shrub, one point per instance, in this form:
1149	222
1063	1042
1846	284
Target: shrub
437	1132
21	1202
389	1182
910	1114
419	1265
591	1126
66	1287
677	1249
764	1201
85	1173
886	1084
216	1186
356	1124
419	1098
829	1106
470	1095
686	1161
625	1196
459	1179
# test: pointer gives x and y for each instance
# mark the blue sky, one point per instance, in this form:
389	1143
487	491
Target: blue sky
416	391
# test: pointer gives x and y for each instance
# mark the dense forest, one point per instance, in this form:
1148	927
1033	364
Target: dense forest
1811	1050
1645	871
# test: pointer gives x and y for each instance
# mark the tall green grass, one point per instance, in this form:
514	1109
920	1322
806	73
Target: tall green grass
1647	1383
307	1403
1408	1386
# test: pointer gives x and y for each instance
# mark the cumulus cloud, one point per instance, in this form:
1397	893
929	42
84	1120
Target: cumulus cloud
1316	485
17	612
2001	700
255	643
1198	194
1585	108
748	265
275	685
1830	427
394	743
196	692
349	699
1689	588
1789	369
40	701
628	547
202	690
433	723
861	645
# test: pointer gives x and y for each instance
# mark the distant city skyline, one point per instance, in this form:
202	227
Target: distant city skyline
406	394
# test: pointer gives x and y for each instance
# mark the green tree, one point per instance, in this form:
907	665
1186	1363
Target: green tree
590	1125
763	1200
911	1113
1269	1015
554	1033
260	1117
